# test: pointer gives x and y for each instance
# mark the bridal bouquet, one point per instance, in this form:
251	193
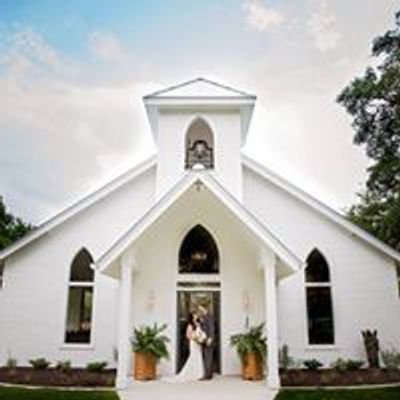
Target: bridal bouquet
199	336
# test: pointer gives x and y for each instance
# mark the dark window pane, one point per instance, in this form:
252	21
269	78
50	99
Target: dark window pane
80	268
79	315
320	316
317	268
198	253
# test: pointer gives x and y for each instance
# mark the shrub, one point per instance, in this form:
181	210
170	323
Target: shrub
391	358
312	364
96	366
353	365
285	360
11	363
339	364
39	363
347	365
148	339
63	366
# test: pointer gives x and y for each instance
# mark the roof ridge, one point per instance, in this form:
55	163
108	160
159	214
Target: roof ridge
140	225
319	206
194	80
63	216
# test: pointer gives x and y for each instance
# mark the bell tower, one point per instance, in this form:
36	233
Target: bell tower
199	125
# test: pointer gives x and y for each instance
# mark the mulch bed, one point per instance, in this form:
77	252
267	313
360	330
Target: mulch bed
332	377
52	377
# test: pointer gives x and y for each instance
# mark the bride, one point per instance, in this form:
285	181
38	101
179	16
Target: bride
193	368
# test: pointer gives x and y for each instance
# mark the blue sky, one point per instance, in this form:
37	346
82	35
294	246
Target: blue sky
72	74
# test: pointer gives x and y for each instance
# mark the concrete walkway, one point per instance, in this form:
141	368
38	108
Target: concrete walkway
232	388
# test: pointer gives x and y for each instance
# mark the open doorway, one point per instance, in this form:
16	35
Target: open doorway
188	301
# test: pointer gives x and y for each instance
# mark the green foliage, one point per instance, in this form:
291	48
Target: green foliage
313	364
16	393
339	364
64	366
39	363
11	227
391	393
391	358
373	101
11	363
252	341
347	365
96	366
353	365
285	360
149	339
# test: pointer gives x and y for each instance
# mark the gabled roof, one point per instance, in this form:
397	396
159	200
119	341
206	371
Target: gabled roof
199	88
79	206
111	255
197	95
320	207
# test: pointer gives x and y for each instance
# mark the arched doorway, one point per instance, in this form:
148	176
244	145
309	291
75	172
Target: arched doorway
198	259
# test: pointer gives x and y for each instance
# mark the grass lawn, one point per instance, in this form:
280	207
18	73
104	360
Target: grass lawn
392	393
10	393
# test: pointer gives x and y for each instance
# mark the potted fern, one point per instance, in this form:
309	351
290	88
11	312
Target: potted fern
251	346
149	346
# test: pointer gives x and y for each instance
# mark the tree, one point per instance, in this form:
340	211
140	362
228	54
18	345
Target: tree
11	227
373	101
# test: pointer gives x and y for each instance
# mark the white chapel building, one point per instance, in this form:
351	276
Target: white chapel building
197	223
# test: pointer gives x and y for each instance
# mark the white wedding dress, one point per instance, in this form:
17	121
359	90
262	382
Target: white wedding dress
193	369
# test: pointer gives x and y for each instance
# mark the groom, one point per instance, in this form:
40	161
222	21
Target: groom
207	324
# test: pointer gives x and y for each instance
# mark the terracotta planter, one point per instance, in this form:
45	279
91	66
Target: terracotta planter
252	367
145	367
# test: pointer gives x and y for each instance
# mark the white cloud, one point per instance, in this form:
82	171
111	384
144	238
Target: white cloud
26	49
59	137
322	28
107	47
260	17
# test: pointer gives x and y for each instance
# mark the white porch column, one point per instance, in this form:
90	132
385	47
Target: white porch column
123	323
271	308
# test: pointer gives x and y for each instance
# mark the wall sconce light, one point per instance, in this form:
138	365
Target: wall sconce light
151	301
246	305
246	302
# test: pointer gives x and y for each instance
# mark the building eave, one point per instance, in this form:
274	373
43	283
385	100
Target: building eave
78	206
199	101
233	91
111	255
320	207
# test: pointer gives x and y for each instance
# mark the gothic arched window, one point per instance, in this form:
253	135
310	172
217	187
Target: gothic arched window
199	146
80	299
198	253
319	300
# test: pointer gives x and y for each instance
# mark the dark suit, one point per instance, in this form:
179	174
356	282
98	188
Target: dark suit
207	324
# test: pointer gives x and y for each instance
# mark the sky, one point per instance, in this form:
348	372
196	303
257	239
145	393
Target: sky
72	75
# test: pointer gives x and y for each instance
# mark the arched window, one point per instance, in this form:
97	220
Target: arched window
80	299
198	253
319	300
199	146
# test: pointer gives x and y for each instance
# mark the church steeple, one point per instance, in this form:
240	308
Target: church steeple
199	124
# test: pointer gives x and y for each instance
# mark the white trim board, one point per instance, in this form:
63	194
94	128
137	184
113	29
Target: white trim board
320	207
223	91
191	178
79	206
